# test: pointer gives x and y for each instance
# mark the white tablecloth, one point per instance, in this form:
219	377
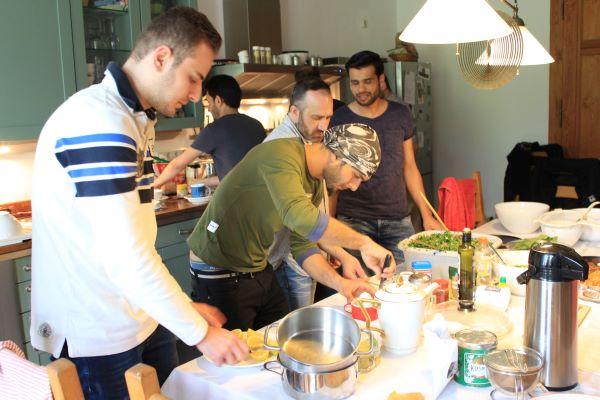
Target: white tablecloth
199	379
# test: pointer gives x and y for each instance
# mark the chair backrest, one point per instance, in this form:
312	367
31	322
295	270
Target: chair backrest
64	380
480	217
142	383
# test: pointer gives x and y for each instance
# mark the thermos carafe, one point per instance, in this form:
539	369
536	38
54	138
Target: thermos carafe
551	311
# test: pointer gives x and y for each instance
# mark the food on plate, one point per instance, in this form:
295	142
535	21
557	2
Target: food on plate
406	396
527	244
255	341
445	241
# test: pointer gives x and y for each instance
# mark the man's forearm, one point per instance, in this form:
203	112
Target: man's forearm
339	234
319	269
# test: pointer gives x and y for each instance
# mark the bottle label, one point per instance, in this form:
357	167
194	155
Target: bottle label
471	369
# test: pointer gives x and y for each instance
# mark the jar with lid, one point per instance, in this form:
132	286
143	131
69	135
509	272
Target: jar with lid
268	56
256	54
423	267
262	55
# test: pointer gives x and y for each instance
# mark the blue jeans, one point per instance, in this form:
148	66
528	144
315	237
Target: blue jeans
385	232
299	289
103	377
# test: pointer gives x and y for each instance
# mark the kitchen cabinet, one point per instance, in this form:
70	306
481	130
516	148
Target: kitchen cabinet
37	64
66	52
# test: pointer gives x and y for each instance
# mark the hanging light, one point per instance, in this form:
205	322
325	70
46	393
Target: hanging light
533	51
454	21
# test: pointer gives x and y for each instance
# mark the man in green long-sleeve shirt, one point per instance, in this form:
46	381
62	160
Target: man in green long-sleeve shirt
279	183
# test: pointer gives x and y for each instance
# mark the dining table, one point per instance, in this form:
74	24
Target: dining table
199	378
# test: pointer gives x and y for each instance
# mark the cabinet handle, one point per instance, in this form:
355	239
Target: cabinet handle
28	289
26	268
185	231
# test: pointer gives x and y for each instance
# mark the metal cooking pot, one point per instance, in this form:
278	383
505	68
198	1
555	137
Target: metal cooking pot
319	385
317	339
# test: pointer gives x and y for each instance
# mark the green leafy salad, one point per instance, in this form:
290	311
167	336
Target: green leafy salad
527	244
446	241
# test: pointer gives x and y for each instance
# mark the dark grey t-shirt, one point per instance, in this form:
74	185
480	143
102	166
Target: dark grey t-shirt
384	195
228	139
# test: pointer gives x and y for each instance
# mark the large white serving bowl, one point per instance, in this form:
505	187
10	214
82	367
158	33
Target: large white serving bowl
562	224
516	264
9	226
520	216
591	225
440	260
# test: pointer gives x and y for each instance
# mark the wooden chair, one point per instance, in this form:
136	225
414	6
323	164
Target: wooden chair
142	383
64	381
480	217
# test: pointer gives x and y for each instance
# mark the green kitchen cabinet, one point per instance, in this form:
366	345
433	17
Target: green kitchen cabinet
37	64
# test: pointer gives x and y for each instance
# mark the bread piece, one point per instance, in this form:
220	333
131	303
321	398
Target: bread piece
406	396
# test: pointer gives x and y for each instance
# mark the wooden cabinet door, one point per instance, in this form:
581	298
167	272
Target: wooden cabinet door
37	68
574	119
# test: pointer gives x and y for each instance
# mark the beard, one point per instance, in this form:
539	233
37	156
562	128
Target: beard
157	96
331	175
372	99
303	129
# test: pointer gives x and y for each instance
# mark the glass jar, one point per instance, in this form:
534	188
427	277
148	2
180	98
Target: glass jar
256	54
268	56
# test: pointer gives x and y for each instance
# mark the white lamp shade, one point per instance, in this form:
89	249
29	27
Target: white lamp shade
455	21
533	51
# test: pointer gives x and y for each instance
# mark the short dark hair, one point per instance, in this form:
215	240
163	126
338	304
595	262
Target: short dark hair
364	59
226	87
306	85
180	28
307	72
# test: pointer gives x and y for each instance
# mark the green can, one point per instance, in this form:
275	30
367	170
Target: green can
473	345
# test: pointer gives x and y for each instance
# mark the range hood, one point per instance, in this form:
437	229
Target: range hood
271	80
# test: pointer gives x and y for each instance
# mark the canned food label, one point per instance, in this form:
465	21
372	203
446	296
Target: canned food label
471	369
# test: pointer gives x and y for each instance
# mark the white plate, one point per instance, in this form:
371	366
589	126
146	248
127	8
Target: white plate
198	200
566	396
15	239
249	363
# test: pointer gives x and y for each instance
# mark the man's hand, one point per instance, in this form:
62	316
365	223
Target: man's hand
211	314
374	257
431	224
223	347
352	268
351	288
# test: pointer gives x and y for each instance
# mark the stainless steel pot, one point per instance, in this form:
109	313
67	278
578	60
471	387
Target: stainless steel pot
317	339
318	385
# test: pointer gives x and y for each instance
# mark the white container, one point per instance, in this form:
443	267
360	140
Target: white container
9	226
440	260
563	225
520	216
591	225
516	264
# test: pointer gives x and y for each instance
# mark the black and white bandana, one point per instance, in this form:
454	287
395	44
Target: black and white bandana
355	144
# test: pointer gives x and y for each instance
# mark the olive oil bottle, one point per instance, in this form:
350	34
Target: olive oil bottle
467	273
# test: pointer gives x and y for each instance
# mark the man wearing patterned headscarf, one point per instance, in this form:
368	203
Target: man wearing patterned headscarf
280	184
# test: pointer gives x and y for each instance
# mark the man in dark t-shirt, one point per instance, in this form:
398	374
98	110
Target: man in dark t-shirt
379	207
228	138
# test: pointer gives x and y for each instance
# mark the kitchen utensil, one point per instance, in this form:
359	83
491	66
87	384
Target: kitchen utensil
590	225
550	311
496	253
402	307
587	211
520	216
435	214
386	264
338	384
9	226
563	225
513	371
317	339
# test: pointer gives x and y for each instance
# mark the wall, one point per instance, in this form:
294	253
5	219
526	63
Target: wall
334	27
475	129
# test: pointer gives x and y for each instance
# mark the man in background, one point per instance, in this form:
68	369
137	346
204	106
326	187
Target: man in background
227	139
379	208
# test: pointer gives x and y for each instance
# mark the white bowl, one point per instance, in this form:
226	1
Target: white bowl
591	225
9	226
440	260
516	263
520	216
563	225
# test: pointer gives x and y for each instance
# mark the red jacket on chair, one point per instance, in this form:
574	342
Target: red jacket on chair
457	203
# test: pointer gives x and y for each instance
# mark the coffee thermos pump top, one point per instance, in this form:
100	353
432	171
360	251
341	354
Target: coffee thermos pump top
551	311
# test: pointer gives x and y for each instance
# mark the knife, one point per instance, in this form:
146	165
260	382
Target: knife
386	264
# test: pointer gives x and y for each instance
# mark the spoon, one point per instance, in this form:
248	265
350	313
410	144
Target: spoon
587	211
496	253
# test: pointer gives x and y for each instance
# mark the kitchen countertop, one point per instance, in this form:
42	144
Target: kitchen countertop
173	210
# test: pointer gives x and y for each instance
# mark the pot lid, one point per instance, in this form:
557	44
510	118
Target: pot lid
399	292
514	360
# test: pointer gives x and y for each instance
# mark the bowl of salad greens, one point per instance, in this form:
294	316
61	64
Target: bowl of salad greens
440	248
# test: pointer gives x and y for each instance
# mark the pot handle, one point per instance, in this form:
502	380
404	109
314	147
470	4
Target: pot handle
268	364
371	341
266	338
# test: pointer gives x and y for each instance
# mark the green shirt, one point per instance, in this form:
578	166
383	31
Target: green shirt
270	188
